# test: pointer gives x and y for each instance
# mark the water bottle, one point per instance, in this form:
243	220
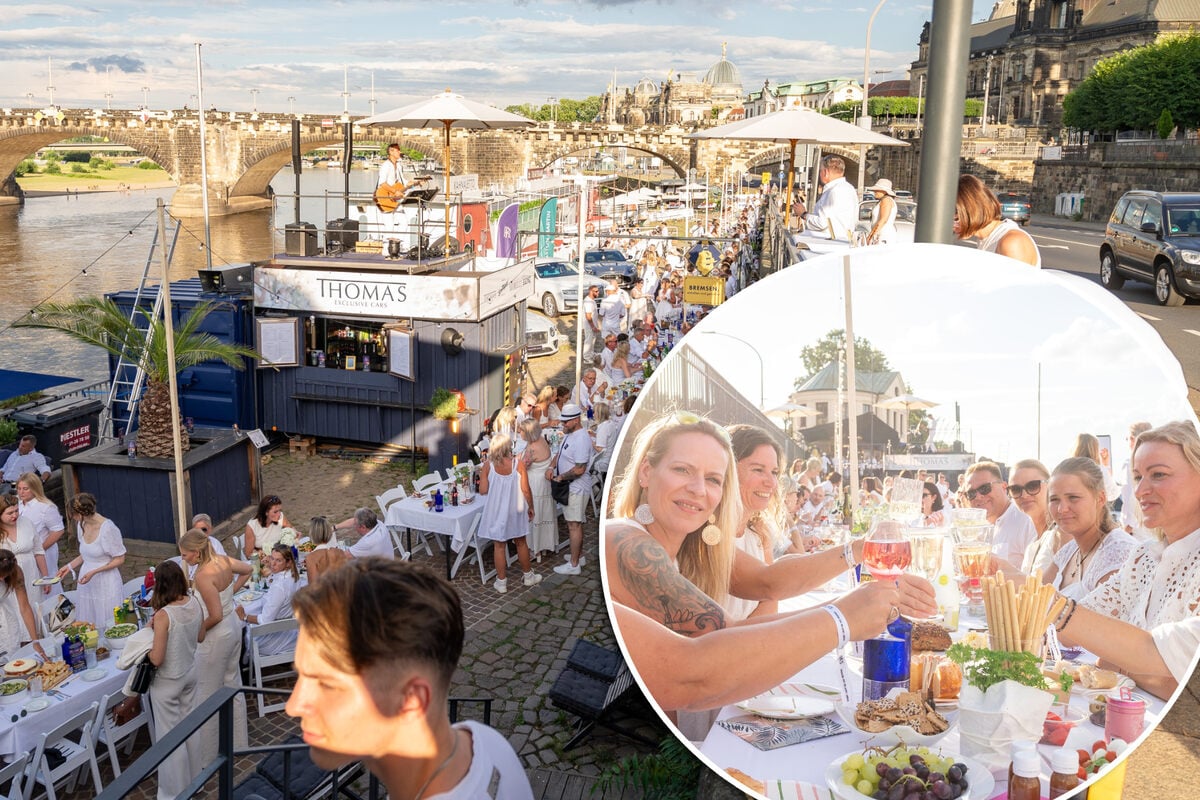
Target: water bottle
438	502
131	449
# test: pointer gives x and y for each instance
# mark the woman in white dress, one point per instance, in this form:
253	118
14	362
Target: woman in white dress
509	510
17	623
177	631
1159	585
543	530
282	584
883	213
977	213
1097	547
43	514
619	369
18	535
266	528
217	655
98	565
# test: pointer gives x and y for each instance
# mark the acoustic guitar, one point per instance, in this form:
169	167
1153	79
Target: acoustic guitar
389	195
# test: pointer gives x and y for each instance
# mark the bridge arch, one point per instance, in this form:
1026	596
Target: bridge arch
769	159
262	165
20	144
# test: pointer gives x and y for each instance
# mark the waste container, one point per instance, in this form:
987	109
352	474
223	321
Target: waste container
62	427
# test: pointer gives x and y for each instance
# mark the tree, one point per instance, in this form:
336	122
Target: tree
1165	124
1131	90
826	351
99	321
569	110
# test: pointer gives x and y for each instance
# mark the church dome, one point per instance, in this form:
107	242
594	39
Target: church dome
645	87
723	73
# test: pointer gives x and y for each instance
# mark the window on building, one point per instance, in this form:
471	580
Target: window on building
822	413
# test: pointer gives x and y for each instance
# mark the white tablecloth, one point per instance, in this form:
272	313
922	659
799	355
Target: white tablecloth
807	762
17	737
453	521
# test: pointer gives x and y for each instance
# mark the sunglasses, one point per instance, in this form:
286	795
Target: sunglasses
984	489
1031	488
690	418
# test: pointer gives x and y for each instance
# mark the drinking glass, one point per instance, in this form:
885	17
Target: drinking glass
971	561
886	551
927	551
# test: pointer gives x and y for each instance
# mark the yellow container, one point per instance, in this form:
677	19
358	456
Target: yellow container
1109	786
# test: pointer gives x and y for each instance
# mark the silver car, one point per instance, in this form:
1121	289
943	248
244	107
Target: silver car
556	286
541	336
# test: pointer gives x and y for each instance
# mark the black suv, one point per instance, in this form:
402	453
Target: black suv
1154	237
608	264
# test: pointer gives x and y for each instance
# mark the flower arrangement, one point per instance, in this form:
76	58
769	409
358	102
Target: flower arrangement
289	537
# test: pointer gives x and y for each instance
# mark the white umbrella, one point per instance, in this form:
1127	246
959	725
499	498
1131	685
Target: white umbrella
444	111
906	401
795	125
788	409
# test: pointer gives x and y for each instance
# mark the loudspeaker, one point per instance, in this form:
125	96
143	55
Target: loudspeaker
439	248
227	279
300	239
348	158
296	162
340	235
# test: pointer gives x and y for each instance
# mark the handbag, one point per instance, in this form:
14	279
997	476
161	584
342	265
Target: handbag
561	492
143	676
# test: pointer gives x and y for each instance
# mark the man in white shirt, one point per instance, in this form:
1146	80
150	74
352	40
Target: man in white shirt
378	647
525	406
1131	518
374	539
586	389
1014	529
24	459
637	344
610	349
591	322
612	310
572	464
837	207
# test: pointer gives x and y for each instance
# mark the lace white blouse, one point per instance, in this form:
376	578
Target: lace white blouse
1160	583
1112	552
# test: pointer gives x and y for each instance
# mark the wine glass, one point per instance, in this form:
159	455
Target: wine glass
927	551
886	551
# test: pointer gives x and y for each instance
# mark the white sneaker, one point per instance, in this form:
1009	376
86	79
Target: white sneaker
567	569
532	579
501	585
582	559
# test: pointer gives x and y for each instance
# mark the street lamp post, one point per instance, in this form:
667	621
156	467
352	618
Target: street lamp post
920	98
145	97
864	119
553	102
758	355
292	106
254	101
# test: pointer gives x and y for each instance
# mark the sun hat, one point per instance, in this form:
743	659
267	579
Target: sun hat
570	411
882	185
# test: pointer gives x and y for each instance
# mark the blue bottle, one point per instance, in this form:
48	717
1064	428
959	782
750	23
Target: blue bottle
438	502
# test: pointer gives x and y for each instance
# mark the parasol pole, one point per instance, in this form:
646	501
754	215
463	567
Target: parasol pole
446	205
172	386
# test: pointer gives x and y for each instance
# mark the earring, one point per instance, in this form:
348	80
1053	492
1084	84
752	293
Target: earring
643	515
711	535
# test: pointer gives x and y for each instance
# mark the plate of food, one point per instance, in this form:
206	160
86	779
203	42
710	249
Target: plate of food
13	690
20	666
117	634
1088	677
48	580
900	718
849	775
793	701
248	596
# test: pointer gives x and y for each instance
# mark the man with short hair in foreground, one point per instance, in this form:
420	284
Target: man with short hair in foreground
379	642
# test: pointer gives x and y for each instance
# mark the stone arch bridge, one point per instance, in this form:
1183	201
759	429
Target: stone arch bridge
244	151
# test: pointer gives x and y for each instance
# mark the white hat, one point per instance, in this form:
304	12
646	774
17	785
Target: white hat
570	411
882	185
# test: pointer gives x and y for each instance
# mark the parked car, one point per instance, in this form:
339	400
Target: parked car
1015	207
541	336
1154	237
556	286
906	219
609	264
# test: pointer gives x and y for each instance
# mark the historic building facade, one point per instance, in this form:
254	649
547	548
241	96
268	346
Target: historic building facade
681	98
1029	54
816	95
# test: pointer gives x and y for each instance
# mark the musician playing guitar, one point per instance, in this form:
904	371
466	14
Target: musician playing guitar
390	190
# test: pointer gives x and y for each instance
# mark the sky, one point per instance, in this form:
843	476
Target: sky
503	53
967	327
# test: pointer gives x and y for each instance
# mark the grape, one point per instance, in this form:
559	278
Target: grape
909	771
893	774
923	772
915	760
896	792
955	773
955	791
882	769
880	795
854	761
934	777
850	777
863	787
941	790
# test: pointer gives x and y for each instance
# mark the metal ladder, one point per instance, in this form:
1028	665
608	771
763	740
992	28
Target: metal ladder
129	375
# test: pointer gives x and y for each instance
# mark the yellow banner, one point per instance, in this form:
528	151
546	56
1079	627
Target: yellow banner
704	291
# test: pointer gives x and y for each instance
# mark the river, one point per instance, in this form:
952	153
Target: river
61	248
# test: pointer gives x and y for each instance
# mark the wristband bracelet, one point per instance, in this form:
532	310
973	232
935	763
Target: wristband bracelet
839	619
1067	619
848	554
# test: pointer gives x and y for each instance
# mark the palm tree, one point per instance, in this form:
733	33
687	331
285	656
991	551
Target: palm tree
99	321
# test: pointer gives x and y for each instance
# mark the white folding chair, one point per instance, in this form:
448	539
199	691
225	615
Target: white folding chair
471	543
78	754
132	585
427	481
12	774
260	661
239	546
105	729
385	501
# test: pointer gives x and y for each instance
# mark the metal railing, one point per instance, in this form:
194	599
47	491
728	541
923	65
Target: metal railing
220	704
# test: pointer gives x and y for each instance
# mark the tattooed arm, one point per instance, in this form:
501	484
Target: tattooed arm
791	575
642	576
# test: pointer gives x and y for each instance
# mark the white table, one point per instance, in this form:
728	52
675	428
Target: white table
807	762
22	735
453	521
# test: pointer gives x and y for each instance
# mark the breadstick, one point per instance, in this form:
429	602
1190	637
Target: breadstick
1003	637
1011	599
1059	603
